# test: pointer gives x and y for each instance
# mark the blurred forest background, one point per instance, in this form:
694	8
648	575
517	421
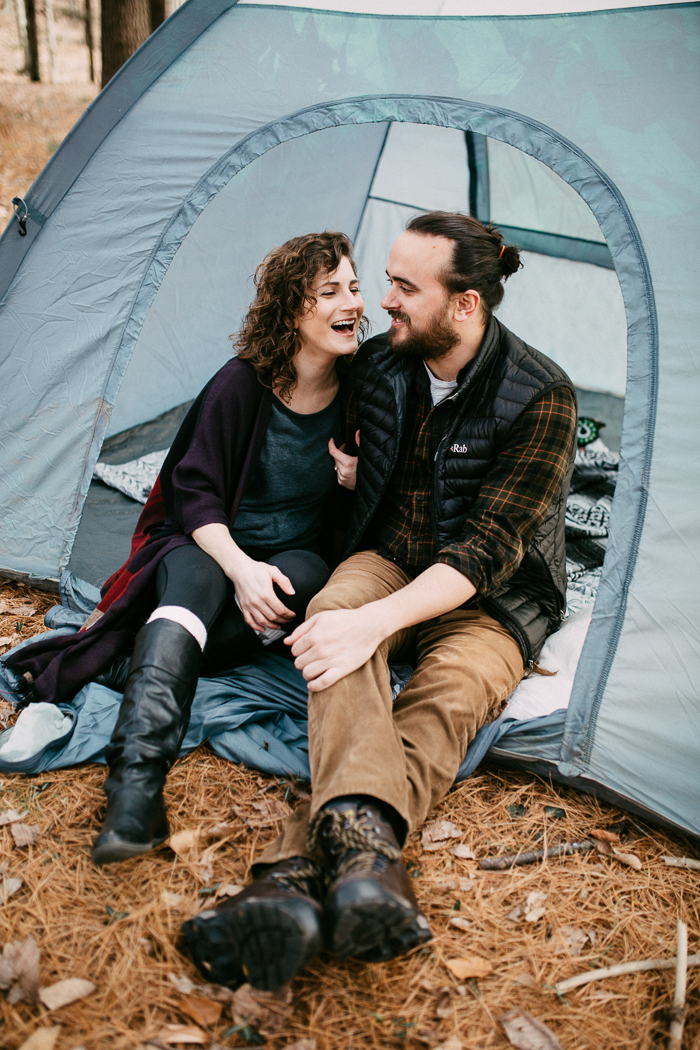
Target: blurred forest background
55	55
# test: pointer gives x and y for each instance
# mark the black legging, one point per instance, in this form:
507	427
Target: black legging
189	577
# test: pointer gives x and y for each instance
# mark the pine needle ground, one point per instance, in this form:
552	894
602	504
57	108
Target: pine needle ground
118	927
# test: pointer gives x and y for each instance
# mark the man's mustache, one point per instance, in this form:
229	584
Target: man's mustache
396	315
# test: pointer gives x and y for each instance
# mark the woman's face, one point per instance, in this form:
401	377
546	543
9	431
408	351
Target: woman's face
330	325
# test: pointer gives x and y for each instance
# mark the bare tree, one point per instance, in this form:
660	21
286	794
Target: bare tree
125	26
51	39
157	12
22	33
32	40
88	39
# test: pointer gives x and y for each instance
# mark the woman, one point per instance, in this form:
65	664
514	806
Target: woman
226	554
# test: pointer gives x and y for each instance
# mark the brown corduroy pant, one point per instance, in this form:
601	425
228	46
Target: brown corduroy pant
407	753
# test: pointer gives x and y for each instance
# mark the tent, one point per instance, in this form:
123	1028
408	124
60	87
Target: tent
237	125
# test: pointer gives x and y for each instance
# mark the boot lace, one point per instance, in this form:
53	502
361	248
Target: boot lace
351	829
306	878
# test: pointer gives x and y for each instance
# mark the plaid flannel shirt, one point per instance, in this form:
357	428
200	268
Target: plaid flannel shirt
513	500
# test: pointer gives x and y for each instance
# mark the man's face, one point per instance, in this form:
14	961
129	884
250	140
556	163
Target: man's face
418	302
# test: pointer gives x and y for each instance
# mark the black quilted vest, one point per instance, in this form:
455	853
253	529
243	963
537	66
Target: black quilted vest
507	376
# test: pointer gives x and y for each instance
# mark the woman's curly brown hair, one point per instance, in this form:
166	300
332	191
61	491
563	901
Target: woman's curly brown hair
268	338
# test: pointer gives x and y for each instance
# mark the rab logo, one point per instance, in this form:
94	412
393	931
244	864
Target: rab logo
458	448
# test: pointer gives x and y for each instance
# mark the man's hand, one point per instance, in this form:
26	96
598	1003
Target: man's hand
335	643
332	644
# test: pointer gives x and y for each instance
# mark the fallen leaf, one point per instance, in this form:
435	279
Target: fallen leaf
42	1039
462	852
437	833
8	886
567	940
555	812
268	1011
469	966
604	847
182	983
516	810
173	1034
535	906
202	1011
146	946
453	1043
229	889
205	864
64	992
460	923
605	836
19	970
527	1033
427	1036
171	900
25	834
19	610
10	639
302	1044
443	1005
11	815
218	831
183	841
271	810
217	992
516	914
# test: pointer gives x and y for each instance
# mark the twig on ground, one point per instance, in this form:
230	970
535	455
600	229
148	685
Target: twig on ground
682	862
619	969
515	860
678	1011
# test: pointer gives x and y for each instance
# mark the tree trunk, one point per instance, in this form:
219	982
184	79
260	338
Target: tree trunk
32	40
88	39
51	39
125	26
157	13
22	33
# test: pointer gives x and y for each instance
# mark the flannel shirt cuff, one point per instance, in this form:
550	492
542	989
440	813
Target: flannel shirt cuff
464	561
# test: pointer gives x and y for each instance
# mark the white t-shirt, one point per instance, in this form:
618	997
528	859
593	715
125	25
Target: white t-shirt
440	388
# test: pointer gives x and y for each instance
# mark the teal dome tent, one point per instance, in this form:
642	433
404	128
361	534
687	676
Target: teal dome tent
238	125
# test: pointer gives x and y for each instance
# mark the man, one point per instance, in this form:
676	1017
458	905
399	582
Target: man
457	558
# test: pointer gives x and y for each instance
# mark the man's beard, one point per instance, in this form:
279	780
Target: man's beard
433	342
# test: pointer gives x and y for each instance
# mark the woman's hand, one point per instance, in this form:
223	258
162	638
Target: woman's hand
345	466
253	580
259	604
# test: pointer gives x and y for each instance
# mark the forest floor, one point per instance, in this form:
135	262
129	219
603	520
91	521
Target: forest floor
518	932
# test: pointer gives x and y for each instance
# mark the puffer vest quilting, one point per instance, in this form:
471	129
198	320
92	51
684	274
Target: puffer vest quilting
507	377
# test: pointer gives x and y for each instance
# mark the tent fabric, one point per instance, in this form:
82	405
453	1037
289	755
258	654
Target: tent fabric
277	115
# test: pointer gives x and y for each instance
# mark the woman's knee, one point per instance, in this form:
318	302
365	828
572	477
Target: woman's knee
189	577
308	574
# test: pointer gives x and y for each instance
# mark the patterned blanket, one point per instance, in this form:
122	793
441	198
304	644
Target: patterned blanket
588	521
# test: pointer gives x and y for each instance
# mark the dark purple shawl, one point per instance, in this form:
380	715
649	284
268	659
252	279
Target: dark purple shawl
202	481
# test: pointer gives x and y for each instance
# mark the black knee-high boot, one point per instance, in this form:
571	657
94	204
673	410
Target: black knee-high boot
151	726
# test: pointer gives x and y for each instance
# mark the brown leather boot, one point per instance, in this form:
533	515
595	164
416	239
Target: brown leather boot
266	934
371	912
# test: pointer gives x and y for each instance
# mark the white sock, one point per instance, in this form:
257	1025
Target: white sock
186	619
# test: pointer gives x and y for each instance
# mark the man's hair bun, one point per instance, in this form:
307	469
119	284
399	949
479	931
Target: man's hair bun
510	259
